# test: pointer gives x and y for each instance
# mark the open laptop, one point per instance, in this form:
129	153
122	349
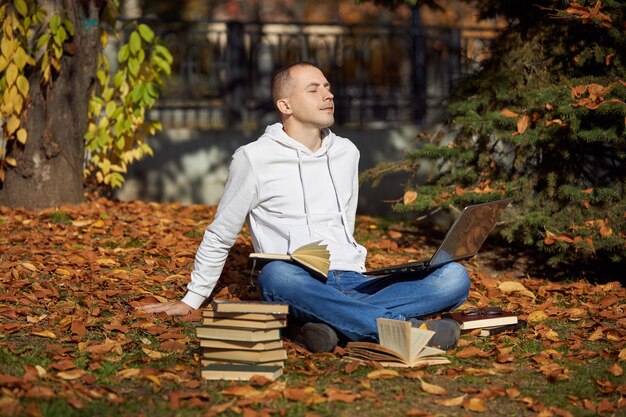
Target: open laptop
463	240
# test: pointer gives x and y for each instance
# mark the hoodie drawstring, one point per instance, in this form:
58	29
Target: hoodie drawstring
344	218
307	212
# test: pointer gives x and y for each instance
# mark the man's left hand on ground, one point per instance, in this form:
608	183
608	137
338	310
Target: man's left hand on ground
173	308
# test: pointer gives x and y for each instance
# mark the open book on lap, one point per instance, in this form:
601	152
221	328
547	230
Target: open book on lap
314	257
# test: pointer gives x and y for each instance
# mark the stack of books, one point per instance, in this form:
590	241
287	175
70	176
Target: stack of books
490	320
241	339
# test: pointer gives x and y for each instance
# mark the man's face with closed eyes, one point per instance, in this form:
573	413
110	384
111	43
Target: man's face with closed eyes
308	99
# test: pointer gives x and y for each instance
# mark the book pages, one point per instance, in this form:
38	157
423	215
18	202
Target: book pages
395	335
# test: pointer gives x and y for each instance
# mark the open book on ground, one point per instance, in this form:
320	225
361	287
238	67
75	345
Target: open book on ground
314	257
401	345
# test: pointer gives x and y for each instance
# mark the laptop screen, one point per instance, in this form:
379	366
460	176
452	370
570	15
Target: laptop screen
469	232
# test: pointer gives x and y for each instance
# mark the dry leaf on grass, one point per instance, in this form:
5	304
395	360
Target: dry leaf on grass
515	286
383	374
432	388
475	404
451	402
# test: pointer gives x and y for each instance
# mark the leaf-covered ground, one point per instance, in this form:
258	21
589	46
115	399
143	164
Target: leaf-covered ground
72	343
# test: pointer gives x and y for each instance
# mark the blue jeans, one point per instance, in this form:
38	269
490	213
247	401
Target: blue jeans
350	302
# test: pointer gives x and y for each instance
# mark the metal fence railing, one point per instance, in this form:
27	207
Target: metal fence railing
379	74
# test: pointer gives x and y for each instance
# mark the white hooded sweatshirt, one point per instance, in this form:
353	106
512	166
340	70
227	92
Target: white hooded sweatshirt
290	197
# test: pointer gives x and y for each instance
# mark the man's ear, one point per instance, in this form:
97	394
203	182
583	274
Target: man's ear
283	106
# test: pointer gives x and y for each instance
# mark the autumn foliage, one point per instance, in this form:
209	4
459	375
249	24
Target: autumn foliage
72	343
543	121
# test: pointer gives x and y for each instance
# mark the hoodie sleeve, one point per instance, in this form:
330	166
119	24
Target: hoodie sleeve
240	196
354	198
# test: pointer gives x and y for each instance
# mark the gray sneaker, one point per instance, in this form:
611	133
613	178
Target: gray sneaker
447	332
317	337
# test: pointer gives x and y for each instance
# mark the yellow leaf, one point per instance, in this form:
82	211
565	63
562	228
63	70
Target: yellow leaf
41	371
537	316
154	379
128	373
44	333
514	286
18	101
552	336
153	354
432	388
409	197
29	266
12	124
3	63
383	374
21	7
622	355
8	46
11	161
11	74
22	135
71	375
98	223
22	85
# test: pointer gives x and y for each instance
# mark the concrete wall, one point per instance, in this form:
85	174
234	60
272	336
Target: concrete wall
191	166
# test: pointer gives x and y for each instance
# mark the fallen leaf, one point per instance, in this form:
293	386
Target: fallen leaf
153	354
383	374
71	375
44	333
471	351
451	402
615	370
537	316
515	286
475	404
432	388
29	266
341	395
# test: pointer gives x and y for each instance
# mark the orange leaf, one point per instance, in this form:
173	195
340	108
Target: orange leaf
475	404
470	352
615	370
508	113
78	328
522	124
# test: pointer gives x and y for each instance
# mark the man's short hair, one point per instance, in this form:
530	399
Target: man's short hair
281	78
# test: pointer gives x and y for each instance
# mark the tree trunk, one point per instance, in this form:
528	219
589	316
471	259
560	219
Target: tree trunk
49	169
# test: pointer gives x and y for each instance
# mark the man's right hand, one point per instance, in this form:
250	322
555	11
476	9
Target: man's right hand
173	308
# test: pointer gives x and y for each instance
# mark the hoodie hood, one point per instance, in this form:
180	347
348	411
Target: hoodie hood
277	134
